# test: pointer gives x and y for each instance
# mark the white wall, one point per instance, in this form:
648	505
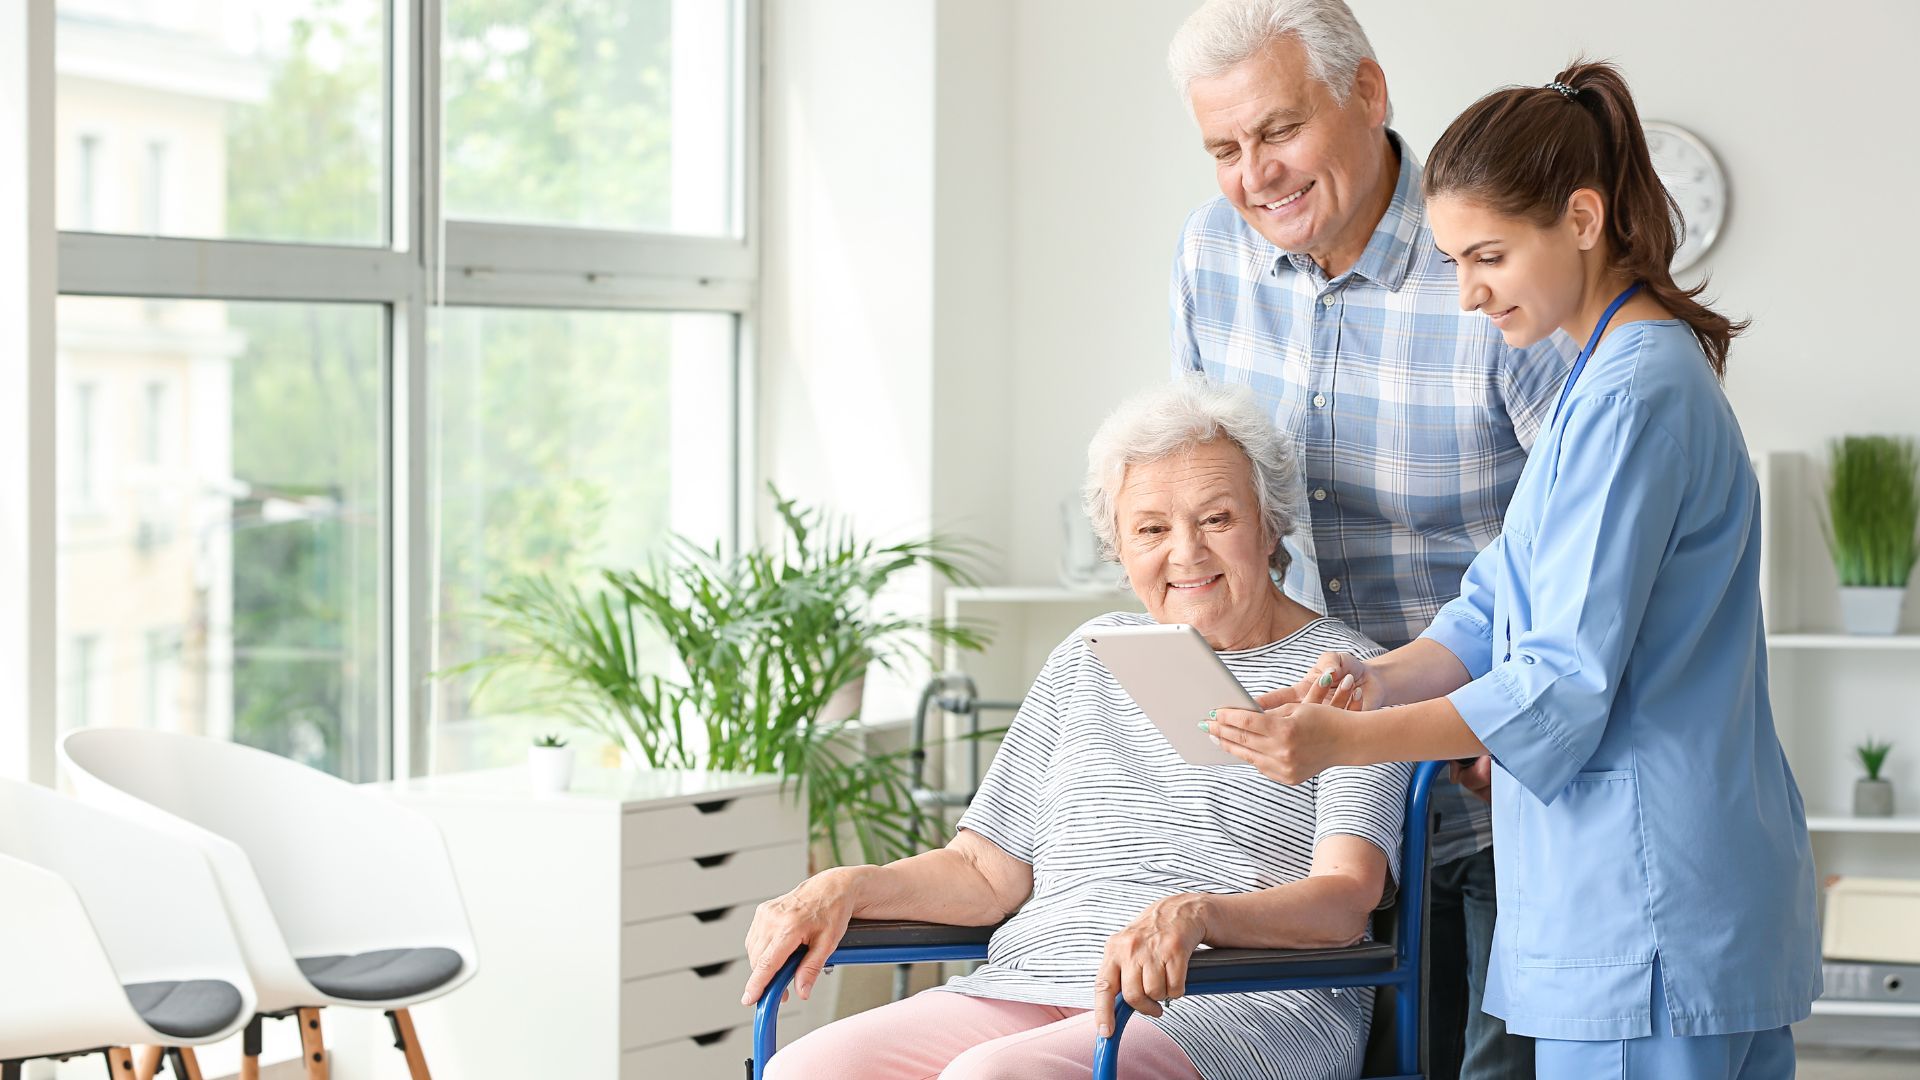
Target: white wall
1809	110
972	207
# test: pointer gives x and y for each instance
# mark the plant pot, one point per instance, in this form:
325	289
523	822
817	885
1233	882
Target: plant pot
1872	798
550	768
1870	610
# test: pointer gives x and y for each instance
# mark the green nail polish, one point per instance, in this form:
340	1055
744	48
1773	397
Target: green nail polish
1203	725
1211	713
1326	679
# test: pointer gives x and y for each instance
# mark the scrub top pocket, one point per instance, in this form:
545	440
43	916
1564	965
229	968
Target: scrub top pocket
1592	908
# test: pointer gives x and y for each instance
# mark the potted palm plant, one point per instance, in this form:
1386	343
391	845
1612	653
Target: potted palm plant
1872	796
750	662
1873	511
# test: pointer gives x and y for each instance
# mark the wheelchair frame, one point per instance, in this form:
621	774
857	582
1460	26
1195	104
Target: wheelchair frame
1395	966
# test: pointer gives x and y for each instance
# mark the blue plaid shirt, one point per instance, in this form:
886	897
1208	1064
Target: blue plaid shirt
1413	417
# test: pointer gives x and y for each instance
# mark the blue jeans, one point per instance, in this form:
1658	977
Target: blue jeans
1462	1041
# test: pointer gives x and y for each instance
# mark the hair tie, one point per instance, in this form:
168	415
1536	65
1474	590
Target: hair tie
1568	92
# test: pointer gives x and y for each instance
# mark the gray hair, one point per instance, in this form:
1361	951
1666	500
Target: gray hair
1179	416
1223	34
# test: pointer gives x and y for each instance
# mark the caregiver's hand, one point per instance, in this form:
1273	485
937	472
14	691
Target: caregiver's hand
1347	681
1146	962
814	914
1290	744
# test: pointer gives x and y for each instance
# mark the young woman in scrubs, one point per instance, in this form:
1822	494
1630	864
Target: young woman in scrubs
1655	877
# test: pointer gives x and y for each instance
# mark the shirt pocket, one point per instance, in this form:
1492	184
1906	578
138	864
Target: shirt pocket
1583	895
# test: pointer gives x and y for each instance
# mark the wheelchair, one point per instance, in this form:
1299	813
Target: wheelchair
1394	962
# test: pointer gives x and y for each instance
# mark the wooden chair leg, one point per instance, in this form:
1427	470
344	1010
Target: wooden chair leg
313	1049
409	1044
149	1064
119	1063
185	1065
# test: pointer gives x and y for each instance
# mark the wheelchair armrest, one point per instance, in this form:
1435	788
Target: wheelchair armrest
1211	967
907	933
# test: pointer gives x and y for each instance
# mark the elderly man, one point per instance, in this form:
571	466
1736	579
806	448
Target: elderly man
1313	278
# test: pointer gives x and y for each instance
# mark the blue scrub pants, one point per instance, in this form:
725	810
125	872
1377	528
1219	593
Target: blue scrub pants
1748	1055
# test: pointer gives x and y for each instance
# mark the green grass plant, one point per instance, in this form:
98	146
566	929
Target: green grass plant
1872	755
1873	510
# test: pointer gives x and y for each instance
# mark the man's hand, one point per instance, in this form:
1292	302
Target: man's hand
1476	776
1146	962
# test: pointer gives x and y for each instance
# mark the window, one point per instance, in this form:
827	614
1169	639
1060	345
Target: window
86	469
156	215
273	112
86	182
261	544
153	420
79	694
163	680
590	458
328	377
603	114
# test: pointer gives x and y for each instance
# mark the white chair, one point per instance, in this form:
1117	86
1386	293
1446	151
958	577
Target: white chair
113	935
339	897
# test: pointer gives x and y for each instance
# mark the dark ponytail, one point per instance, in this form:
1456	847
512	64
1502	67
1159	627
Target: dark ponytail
1524	151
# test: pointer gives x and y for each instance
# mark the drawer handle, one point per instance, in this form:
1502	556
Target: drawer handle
708	862
708	971
713	806
713	913
711	1037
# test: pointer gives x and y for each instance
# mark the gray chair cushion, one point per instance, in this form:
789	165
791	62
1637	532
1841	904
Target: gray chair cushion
186	1010
384	975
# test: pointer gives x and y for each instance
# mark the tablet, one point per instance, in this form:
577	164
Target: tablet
1176	678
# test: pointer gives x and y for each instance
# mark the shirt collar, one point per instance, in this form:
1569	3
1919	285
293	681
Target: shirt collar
1389	252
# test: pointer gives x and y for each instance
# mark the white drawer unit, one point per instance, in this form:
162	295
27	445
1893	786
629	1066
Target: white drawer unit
611	920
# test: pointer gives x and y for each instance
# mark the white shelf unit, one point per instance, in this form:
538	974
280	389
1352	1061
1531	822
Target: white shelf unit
1894	1009
1830	691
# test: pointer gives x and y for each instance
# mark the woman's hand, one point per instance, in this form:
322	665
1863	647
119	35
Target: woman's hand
1290	744
1146	962
1299	734
814	914
1343	680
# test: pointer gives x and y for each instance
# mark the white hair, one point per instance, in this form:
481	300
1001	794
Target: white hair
1223	34
1167	419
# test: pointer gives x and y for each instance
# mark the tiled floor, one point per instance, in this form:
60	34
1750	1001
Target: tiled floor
1828	1064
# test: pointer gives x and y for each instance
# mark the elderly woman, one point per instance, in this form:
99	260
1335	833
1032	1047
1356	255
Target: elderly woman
1110	858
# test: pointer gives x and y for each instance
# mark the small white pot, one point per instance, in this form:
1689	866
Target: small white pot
550	768
1870	610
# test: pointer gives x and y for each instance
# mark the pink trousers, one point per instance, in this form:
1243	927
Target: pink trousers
956	1037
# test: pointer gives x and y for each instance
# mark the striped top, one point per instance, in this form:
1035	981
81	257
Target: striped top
1088	793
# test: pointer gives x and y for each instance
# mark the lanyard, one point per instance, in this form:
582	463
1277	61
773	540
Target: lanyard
1593	342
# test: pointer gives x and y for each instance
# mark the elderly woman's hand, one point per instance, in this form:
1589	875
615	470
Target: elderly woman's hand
1146	962
814	914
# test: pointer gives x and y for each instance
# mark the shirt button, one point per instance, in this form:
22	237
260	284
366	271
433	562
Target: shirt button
1327	300
1319	494
1319	401
1334	585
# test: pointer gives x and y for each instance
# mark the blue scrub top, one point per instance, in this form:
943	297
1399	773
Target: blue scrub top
1643	806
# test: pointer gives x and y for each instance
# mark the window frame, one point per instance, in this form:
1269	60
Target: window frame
428	263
